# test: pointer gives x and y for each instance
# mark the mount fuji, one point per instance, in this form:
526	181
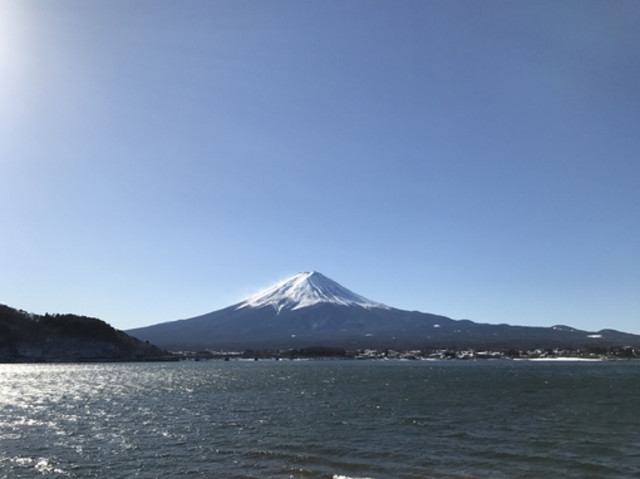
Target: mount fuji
307	289
310	309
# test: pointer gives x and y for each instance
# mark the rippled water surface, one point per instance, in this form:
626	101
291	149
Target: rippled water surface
321	419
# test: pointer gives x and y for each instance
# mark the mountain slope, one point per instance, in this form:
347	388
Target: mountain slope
310	309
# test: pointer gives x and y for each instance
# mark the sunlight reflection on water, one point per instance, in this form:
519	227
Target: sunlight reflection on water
320	419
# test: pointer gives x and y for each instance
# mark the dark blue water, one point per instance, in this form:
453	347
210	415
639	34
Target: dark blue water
321	419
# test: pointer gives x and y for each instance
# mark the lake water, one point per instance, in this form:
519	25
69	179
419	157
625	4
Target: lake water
321	419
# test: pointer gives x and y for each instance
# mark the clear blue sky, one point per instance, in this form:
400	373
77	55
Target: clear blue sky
163	159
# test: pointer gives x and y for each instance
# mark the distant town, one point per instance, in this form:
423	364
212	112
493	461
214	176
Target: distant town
590	354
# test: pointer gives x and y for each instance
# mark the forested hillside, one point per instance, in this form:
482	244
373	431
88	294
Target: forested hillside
26	337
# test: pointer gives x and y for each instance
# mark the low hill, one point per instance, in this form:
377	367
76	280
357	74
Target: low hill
26	337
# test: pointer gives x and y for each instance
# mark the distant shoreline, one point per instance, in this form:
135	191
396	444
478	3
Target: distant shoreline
566	359
391	355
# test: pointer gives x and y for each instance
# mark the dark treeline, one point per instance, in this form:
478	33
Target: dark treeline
65	337
18	325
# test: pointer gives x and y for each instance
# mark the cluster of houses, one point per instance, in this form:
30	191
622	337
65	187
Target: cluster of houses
440	354
408	355
471	354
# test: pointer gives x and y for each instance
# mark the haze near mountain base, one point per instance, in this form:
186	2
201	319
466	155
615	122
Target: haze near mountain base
310	309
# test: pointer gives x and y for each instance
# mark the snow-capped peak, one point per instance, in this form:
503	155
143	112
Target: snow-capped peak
307	289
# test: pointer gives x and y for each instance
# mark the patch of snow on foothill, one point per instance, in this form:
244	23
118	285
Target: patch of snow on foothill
307	289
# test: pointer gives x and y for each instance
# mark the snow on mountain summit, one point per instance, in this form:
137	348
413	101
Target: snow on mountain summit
307	289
